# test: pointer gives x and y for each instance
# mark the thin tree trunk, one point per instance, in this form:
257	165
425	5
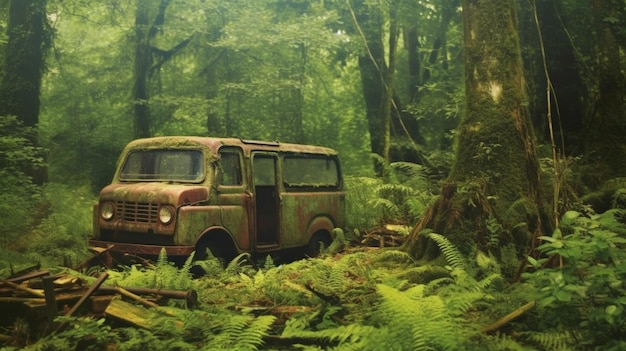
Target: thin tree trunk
143	62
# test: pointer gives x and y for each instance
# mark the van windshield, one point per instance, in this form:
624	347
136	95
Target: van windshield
163	165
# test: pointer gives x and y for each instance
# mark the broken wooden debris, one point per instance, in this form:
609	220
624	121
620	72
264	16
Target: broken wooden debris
129	313
88	293
389	235
44	297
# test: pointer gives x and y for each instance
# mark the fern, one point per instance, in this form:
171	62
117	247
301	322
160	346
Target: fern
240	332
454	258
419	322
555	340
237	264
351	336
504	342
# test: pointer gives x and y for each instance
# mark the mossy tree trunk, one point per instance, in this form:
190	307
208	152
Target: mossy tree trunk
492	196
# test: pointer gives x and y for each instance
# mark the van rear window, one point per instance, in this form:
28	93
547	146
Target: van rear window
310	171
163	165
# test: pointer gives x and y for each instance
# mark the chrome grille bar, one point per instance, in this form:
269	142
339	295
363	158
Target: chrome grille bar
137	212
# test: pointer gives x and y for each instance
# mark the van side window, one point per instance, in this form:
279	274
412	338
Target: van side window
230	168
264	172
310	171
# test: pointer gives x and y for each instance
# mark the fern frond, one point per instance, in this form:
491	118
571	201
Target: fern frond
418	322
252	336
162	259
384	205
268	263
410	169
234	266
505	342
394	190
345	337
486	282
554	340
453	256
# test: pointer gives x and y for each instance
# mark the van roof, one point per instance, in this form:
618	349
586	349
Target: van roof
214	143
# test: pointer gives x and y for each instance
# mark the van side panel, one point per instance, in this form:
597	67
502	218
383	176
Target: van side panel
195	220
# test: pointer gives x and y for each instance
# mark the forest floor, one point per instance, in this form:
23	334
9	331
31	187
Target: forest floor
358	295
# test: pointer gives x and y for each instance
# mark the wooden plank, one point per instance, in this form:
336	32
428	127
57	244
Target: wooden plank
129	313
34	292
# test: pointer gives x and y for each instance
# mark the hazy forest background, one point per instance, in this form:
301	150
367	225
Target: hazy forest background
494	130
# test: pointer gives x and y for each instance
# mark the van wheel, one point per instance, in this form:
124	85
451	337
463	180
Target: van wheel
202	248
198	271
319	242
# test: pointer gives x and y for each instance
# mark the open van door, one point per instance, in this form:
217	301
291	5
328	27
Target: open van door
264	170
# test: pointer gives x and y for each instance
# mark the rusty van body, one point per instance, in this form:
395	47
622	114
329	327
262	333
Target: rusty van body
227	195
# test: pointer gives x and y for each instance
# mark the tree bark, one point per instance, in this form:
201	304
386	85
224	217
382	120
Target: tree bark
496	171
24	61
148	61
143	62
387	122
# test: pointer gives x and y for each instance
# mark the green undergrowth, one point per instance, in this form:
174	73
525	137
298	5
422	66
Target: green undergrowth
359	300
378	299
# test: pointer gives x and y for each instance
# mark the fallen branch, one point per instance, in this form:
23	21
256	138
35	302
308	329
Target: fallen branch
509	317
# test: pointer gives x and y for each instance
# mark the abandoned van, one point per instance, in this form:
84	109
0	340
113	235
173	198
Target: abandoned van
227	195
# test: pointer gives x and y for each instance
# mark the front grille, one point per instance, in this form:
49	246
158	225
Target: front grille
137	212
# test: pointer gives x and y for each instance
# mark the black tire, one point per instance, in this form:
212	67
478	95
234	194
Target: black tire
319	242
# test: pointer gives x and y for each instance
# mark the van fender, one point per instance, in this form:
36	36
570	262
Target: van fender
318	225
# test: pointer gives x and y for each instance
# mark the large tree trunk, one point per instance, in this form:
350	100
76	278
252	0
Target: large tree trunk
495	177
24	60
607	127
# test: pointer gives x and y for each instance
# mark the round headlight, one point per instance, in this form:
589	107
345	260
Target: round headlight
107	210
166	214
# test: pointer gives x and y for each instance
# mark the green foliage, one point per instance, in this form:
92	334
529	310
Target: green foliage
19	196
163	275
241	332
400	195
584	293
61	236
420	322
